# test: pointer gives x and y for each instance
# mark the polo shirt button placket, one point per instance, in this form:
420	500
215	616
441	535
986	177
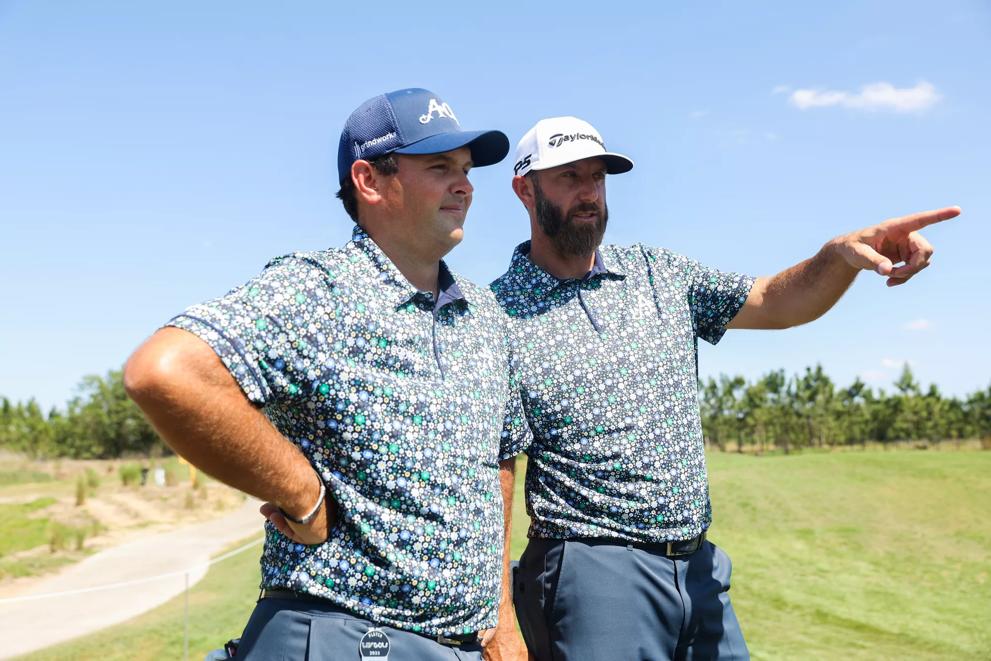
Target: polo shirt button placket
588	311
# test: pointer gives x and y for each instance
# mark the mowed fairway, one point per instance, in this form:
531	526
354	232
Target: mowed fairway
846	555
858	555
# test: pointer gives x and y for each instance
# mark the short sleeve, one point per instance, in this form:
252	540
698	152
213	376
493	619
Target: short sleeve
714	297
260	330
516	434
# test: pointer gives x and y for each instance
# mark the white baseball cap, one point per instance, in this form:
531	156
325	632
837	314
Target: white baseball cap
558	140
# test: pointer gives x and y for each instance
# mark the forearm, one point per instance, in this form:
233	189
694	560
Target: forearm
507	482
799	294
198	409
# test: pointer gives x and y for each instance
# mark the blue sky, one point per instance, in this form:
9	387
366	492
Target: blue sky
153	155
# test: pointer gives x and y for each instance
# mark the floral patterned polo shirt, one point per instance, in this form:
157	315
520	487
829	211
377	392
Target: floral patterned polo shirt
607	370
398	401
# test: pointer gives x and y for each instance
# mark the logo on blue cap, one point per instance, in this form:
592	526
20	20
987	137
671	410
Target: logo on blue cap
442	110
412	121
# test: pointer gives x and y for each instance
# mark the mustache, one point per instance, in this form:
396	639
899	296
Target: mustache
589	207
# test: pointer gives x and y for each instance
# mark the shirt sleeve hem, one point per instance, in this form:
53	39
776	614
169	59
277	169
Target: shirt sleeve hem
255	389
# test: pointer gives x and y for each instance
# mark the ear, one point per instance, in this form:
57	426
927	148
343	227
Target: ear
367	182
524	191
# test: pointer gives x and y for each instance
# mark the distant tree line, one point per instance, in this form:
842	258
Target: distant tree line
773	412
808	410
100	422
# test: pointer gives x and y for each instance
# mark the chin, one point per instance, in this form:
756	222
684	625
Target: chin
447	241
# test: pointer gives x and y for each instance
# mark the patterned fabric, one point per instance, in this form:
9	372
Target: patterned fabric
607	368
398	402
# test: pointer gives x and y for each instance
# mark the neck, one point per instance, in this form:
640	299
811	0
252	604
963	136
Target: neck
563	267
421	270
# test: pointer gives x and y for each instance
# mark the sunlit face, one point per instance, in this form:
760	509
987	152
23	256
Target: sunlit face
570	205
430	195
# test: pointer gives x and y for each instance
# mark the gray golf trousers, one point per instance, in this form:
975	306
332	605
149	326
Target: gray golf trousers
597	600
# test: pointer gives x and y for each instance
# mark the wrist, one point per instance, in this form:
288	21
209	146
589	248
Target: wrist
840	252
307	509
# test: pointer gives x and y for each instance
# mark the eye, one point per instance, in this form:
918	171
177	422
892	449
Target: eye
600	176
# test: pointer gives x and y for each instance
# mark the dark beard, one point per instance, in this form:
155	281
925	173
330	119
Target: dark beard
568	238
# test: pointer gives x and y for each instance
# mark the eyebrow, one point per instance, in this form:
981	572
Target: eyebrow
434	158
571	167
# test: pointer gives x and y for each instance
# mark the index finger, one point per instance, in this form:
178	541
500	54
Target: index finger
916	221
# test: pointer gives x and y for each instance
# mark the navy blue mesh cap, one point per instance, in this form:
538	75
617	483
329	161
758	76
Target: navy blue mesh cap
412	121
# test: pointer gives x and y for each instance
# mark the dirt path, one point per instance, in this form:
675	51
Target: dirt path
28	624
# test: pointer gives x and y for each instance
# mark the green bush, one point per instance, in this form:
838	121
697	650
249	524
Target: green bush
79	537
63	536
81	490
58	536
130	474
92	479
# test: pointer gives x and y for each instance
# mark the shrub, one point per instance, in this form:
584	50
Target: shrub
92	479
58	536
79	537
130	474
80	491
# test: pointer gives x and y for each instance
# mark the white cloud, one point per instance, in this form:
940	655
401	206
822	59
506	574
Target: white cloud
894	363
876	96
781	89
918	325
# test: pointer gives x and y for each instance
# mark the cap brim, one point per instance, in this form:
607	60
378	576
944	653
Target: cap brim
615	163
487	147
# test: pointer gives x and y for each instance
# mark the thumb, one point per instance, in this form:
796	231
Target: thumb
865	257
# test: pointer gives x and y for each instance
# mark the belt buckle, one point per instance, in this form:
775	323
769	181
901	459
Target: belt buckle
450	642
669	551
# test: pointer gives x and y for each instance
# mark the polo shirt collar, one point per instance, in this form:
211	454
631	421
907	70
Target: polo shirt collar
447	287
540	282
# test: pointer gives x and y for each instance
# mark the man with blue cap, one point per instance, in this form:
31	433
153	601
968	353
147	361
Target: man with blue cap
605	345
360	392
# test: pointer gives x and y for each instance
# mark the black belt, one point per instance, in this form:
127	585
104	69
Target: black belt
672	549
449	641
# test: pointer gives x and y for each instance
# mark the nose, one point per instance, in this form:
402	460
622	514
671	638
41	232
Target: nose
462	186
589	191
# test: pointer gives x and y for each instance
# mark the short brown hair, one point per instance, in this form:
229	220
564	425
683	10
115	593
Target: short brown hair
385	164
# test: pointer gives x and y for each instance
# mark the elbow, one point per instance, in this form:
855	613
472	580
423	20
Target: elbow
153	371
145	375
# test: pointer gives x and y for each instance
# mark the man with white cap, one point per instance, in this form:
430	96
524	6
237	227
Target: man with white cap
360	391
605	353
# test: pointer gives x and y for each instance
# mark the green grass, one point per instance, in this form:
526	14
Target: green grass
852	555
40	563
19	530
8	477
858	555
